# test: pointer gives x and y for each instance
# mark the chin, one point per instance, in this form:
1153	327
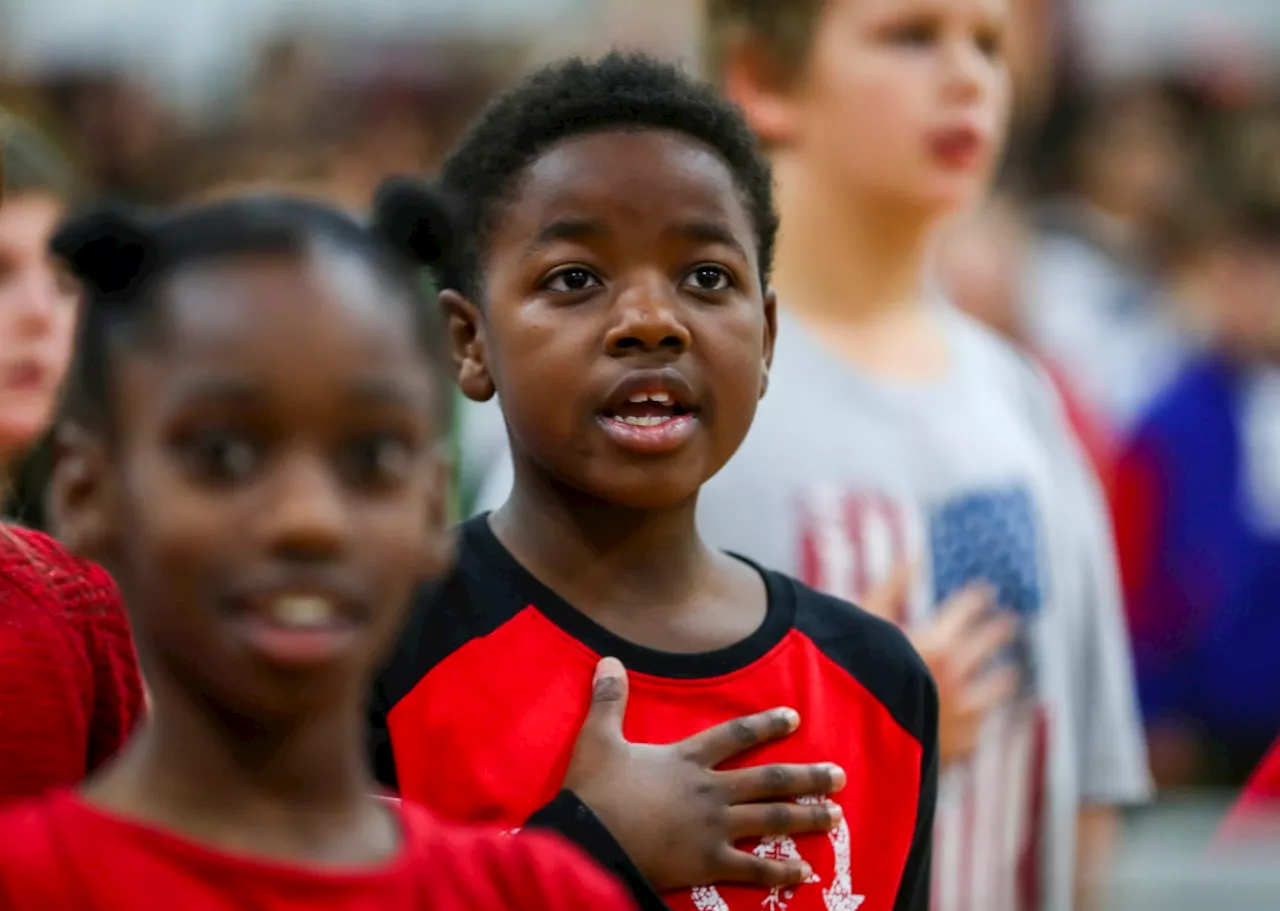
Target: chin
942	206
636	487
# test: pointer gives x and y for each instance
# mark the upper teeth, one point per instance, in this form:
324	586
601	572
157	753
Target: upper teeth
303	611
662	398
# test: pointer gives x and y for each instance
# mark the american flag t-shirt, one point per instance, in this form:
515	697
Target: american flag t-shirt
990	810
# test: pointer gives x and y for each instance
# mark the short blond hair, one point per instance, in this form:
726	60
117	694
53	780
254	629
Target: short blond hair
785	28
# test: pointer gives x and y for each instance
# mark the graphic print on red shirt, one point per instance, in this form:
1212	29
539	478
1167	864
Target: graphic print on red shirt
477	711
60	854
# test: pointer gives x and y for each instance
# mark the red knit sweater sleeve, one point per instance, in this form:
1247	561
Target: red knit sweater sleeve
70	692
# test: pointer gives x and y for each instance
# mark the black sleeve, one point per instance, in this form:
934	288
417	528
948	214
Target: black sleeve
571	818
917	875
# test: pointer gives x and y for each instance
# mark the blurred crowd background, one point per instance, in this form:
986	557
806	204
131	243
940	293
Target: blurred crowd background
1133	243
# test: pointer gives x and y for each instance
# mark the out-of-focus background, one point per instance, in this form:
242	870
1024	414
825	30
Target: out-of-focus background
1133	243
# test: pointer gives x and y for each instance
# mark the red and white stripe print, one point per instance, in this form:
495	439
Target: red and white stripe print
990	818
851	543
988	832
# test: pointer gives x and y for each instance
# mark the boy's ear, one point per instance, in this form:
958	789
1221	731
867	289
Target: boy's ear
81	495
467	346
770	336
757	82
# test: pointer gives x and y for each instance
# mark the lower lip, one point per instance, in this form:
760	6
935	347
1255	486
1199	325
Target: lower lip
23	378
961	151
296	648
653	439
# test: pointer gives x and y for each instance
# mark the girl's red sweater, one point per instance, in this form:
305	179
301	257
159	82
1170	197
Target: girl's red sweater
70	691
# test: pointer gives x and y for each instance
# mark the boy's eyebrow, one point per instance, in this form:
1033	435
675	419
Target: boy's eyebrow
580	229
566	229
709	232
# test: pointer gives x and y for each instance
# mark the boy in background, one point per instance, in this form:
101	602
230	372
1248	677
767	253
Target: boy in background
898	433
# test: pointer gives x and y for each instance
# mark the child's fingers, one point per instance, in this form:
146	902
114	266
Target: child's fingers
781	782
736	866
724	741
761	820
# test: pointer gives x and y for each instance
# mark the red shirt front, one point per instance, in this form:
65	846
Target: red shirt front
60	854
477	711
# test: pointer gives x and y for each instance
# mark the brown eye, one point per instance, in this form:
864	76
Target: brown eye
377	460
572	279
709	278
222	457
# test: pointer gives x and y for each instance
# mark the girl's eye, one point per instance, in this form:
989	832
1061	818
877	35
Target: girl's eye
378	459
575	278
224	457
914	34
991	43
709	278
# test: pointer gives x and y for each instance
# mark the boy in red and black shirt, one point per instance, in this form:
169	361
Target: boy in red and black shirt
609	282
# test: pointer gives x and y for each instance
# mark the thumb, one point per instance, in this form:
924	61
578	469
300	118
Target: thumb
608	699
890	599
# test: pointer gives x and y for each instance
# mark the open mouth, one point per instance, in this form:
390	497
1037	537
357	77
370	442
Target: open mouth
647	409
651	422
297	629
651	412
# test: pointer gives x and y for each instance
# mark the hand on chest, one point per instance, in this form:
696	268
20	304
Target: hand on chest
509	760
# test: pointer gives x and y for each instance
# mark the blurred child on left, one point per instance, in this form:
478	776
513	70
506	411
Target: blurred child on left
69	686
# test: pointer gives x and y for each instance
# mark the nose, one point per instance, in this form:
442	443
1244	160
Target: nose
31	303
967	70
647	321
306	517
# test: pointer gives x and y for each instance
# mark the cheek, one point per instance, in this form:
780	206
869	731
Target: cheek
534	384
998	104
733	359
871	115
171	540
64	330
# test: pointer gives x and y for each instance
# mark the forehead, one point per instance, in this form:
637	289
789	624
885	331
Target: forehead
632	176
265	301
302	335
296	331
882	8
28	218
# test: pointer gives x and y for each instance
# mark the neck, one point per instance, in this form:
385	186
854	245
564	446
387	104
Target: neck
202	768
576	544
841	261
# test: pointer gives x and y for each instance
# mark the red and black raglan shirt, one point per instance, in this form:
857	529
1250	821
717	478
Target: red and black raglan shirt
478	709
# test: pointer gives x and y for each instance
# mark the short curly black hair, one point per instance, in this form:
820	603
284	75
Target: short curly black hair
573	97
